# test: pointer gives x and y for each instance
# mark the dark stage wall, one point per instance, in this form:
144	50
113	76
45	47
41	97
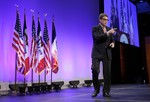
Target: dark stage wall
147	49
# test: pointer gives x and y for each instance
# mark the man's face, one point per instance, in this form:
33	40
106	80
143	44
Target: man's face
104	21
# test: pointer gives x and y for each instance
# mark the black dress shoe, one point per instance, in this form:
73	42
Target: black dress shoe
95	93
106	95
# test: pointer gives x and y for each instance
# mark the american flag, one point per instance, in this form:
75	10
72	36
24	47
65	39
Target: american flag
46	48
18	45
27	67
33	45
54	50
40	51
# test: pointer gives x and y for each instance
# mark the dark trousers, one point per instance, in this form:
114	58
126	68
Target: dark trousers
106	73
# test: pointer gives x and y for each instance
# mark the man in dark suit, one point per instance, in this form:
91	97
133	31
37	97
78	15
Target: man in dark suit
102	43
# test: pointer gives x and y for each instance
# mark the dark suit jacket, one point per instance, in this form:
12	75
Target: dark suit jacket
101	42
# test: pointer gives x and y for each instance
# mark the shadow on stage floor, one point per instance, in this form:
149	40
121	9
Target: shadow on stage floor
119	93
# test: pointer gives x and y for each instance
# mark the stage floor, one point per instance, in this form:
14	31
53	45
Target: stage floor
119	93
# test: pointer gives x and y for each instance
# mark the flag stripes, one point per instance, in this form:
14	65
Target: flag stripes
43	56
18	44
33	46
46	48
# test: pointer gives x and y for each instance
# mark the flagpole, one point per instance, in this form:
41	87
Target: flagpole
32	76
16	59
45	65
16	72
52	59
45	76
54	51
51	76
51	70
39	78
24	80
24	48
39	73
32	68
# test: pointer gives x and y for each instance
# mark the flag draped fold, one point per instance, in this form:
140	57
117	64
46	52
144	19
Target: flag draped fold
26	50
33	46
18	45
40	51
46	48
54	50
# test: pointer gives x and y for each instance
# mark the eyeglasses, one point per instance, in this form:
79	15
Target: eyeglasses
104	19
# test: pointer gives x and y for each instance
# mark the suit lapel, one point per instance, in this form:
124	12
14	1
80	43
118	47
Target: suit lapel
100	28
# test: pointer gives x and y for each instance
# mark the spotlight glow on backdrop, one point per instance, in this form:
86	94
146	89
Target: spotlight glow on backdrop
73	21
